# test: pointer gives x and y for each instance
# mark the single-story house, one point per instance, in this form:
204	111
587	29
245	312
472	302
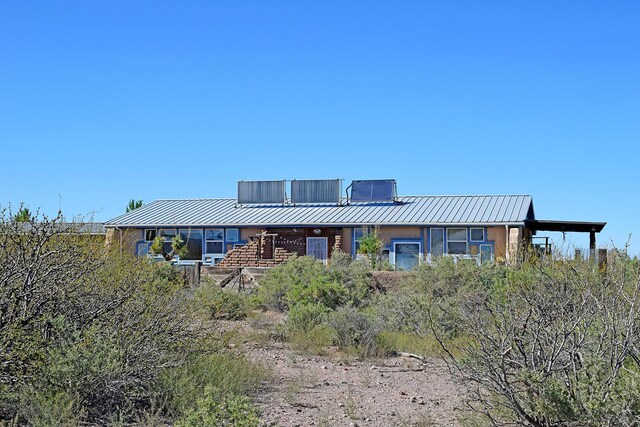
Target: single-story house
270	221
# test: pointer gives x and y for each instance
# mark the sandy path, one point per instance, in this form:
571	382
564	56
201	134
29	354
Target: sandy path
326	391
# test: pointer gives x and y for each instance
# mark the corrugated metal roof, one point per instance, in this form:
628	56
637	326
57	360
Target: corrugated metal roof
412	210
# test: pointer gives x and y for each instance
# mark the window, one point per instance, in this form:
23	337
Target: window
456	240
233	235
214	240
192	238
407	255
167	235
477	235
149	235
486	253
437	241
358	234
317	248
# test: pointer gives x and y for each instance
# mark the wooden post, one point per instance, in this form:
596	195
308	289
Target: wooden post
602	259
577	254
592	244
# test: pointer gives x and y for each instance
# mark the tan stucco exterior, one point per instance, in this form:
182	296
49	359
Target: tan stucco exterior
387	233
247	233
498	236
124	238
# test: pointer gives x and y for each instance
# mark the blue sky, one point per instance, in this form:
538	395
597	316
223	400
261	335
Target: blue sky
101	102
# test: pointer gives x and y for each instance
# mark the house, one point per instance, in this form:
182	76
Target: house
271	221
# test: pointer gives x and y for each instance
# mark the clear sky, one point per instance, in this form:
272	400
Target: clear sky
101	102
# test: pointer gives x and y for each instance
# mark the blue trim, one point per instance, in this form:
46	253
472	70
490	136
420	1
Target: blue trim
139	243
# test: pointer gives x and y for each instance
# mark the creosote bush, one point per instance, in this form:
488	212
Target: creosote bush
221	304
89	335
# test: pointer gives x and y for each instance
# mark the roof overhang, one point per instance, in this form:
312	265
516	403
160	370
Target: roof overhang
564	226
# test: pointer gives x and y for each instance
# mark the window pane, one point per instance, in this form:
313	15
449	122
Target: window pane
456	247
477	234
232	235
317	248
214	247
168	233
437	241
407	255
486	253
149	235
142	249
214	234
458	234
192	238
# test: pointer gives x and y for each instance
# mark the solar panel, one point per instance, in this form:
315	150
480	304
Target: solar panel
258	192
315	191
378	190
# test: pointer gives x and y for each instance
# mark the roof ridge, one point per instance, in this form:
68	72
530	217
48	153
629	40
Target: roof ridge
407	195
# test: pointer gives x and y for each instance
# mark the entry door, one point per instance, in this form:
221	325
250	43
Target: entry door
317	248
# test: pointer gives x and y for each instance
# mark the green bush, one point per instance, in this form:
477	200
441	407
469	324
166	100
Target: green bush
213	411
89	335
304	317
228	373
356	331
354	275
300	271
315	341
343	281
321	290
218	303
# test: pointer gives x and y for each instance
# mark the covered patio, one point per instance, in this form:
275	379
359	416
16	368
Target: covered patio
592	228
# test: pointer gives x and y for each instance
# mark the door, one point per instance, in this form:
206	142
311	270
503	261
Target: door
317	248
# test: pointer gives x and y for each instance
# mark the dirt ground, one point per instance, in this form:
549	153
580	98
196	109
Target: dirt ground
335	390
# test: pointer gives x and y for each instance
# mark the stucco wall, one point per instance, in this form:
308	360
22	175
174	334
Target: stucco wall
129	238
247	233
387	233
497	235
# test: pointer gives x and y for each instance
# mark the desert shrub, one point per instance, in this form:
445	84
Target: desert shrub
321	290
304	317
355	331
555	345
405	310
301	271
91	330
354	275
343	281
424	345
225	372
213	411
220	304
315	341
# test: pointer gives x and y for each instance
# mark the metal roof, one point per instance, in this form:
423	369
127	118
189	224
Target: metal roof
411	210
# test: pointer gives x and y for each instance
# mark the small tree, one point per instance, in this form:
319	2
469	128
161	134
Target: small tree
133	204
371	246
23	215
178	248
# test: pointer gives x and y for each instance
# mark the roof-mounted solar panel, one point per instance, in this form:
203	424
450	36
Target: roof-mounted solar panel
373	190
315	191
261	192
